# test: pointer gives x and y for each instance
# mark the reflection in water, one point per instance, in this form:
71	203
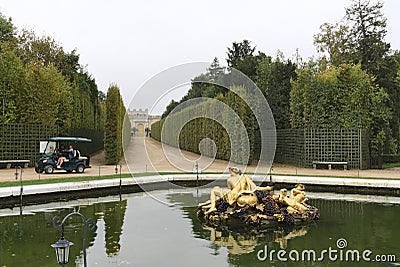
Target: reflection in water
237	241
139	231
114	220
26	238
363	224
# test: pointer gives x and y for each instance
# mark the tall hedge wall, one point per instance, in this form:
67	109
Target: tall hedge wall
117	124
211	119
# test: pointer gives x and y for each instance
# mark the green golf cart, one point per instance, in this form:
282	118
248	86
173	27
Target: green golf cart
51	150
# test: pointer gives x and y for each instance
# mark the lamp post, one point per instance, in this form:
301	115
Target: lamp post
120	175
62	245
197	170
20	177
21	191
62	249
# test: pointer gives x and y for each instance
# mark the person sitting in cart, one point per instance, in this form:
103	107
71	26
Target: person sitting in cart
70	153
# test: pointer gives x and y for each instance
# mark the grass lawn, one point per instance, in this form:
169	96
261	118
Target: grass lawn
63	180
81	179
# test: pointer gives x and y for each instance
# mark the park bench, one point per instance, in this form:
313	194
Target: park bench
8	162
330	163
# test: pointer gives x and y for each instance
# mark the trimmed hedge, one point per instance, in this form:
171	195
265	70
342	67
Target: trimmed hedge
117	125
390	158
21	140
211	119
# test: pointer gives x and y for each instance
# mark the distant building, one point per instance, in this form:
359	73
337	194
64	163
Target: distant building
140	120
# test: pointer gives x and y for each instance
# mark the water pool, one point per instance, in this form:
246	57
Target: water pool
138	230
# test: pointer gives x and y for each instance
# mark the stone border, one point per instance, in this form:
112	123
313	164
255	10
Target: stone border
329	182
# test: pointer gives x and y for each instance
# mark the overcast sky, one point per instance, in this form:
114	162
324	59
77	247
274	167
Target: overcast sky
128	42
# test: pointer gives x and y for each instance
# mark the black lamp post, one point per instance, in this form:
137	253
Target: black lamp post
62	245
21	191
120	176
62	249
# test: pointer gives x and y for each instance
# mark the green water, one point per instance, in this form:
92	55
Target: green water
162	230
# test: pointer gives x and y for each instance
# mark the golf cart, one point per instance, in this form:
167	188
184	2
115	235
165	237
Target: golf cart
52	150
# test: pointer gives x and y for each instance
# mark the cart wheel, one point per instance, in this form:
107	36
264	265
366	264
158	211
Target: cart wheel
49	169
80	168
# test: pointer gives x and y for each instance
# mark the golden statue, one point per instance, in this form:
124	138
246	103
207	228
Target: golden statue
240	191
295	200
250	204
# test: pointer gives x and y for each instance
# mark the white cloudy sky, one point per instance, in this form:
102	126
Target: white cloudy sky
128	42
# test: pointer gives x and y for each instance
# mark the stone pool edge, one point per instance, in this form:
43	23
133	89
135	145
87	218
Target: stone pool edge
147	183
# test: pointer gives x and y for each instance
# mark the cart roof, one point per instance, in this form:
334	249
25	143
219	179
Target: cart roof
69	139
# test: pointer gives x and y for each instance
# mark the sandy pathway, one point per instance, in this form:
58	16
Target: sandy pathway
148	155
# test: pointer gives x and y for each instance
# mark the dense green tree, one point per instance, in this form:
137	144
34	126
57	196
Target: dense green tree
79	105
112	144
117	126
360	39
204	85
169	108
238	53
340	97
241	57
273	78
40	83
11	80
247	117
7	29
368	31
195	130
334	43
39	99
39	50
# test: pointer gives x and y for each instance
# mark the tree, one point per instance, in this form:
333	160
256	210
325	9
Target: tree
12	76
117	126
7	29
39	50
369	28
215	71
169	108
341	97
369	31
337	97
239	52
273	78
39	99
102	96
360	39
241	57
112	144
333	42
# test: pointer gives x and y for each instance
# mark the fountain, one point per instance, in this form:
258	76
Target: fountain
244	203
